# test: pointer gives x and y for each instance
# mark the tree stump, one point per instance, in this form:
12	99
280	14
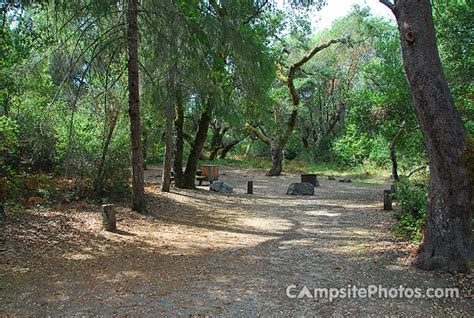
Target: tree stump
109	221
387	200
250	187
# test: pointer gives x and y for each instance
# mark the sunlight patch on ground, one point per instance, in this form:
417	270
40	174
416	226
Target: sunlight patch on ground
78	256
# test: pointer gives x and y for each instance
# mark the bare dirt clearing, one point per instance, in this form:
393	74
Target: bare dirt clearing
203	253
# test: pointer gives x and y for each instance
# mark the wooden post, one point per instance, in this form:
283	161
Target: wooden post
250	187
109	222
387	200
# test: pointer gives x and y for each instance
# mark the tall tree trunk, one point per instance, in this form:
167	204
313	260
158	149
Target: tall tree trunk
277	159
138	183
165	186
447	243
179	151
189	176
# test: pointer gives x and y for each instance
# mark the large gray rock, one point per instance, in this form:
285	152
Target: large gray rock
221	187
302	188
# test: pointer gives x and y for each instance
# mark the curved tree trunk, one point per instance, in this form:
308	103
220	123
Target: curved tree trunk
447	241
138	182
229	147
189	176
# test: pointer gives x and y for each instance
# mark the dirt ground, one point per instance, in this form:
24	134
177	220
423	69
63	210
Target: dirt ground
199	253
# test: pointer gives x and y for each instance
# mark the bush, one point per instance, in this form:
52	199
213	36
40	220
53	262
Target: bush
412	197
8	137
353	147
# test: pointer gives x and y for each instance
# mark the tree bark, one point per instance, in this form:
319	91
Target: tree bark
277	160
165	186
179	152
138	183
201	136
447	243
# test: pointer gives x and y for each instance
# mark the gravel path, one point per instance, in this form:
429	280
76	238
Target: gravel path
205	254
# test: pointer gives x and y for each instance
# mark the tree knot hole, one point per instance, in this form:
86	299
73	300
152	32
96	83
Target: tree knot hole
410	37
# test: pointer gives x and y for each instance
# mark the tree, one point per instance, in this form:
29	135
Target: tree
278	142
447	243
168	158
138	182
230	55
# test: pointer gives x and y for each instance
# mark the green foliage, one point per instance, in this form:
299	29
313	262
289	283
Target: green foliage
412	198
353	147
9	132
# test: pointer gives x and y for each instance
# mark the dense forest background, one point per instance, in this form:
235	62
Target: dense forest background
233	84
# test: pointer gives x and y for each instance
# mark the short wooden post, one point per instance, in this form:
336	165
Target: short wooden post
109	222
250	187
387	200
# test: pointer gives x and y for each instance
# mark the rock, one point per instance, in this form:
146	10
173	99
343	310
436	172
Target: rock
345	180
221	187
303	188
331	178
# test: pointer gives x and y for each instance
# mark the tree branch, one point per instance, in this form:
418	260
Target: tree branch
297	65
258	133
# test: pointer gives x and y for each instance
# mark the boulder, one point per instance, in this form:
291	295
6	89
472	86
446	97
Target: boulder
331	178
221	187
303	188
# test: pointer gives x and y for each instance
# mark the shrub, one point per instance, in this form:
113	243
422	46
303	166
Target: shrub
412	197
